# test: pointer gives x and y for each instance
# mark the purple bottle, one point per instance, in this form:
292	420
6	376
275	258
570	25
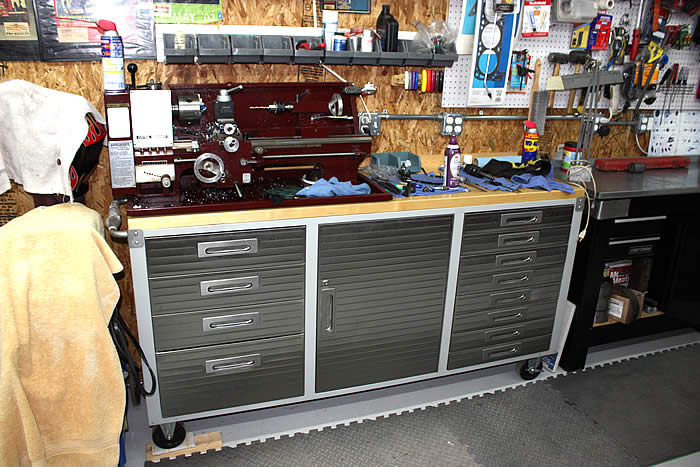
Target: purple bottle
452	158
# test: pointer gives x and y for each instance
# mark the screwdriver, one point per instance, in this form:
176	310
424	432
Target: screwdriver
476	171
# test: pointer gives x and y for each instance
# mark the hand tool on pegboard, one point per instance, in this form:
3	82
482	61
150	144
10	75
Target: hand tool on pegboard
538	100
558	59
572	93
309	18
637	32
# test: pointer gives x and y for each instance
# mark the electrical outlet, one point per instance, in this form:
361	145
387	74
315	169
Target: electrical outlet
451	124
370	123
645	122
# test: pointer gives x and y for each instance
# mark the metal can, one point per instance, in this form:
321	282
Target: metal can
340	43
112	61
569	154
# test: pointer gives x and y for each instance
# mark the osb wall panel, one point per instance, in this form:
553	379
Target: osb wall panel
85	79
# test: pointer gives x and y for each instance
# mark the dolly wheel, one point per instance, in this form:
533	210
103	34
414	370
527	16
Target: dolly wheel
526	372
163	442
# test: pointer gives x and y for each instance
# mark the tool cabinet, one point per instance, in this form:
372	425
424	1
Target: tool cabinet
240	311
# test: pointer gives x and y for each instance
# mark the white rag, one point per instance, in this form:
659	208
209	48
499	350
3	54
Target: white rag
38	128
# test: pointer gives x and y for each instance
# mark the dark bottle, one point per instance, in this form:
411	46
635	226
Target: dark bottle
388	30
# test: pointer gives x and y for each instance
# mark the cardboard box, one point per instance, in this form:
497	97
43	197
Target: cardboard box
625	304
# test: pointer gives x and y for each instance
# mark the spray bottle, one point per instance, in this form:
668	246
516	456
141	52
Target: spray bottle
112	57
530	142
452	159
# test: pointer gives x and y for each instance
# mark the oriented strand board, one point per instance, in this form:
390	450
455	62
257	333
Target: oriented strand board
420	137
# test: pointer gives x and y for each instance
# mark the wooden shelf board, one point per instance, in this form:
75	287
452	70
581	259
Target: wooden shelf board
642	316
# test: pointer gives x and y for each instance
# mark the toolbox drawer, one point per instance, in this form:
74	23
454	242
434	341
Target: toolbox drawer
513	240
508	299
517	219
464	322
543	274
470	357
223	376
228	325
500	335
198	292
187	254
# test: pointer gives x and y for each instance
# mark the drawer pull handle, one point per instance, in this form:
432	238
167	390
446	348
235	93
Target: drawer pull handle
634	240
240	320
230	325
521	218
233	364
524	278
227	248
519	298
327	314
502	335
498	319
222	286
527	259
503	353
520	238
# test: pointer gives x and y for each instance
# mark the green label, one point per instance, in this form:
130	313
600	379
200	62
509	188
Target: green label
187	13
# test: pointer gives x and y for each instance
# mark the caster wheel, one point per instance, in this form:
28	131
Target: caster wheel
165	443
526	373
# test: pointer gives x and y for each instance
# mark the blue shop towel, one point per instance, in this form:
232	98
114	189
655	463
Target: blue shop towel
431	178
333	187
485	184
538	181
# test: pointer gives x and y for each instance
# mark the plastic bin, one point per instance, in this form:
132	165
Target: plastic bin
395	159
445	59
415	58
173	55
394	58
367	58
307	57
213	48
277	49
246	48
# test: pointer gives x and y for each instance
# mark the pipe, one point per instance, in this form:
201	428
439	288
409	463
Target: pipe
439	117
114	220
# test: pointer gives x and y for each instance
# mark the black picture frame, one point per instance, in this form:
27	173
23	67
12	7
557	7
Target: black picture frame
135	25
348	6
19	50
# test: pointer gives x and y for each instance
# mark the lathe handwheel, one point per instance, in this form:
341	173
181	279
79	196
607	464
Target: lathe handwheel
211	163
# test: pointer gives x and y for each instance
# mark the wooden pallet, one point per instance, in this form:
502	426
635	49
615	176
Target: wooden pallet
203	442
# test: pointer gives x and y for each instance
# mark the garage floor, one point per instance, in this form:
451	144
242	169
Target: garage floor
634	412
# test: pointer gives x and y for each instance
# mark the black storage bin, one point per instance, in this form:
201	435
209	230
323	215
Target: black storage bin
367	58
307	57
445	59
394	58
246	48
277	49
173	55
213	48
415	58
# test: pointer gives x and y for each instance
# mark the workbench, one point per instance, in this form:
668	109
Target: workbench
652	215
242	310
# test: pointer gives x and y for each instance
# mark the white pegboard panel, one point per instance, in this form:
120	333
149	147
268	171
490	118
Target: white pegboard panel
456	77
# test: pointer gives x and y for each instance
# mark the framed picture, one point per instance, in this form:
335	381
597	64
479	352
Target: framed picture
67	29
18	36
348	6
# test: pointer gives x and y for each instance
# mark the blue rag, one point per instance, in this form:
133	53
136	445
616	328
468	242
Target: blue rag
432	178
483	183
333	187
538	181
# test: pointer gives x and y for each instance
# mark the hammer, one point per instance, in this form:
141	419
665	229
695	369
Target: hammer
558	59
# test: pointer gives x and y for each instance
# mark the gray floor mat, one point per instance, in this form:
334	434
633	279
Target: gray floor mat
527	426
650	405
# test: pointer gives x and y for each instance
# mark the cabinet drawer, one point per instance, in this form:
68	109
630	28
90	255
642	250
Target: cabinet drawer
517	219
497	262
226	325
498	317
508	241
232	375
500	335
470	357
545	274
509	299
187	254
205	291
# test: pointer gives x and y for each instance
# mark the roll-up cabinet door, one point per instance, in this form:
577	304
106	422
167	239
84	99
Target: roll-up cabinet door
381	295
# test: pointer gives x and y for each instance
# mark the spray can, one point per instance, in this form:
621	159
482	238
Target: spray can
112	57
530	141
569	154
453	155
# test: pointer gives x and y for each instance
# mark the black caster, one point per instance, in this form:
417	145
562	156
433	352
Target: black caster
528	371
162	441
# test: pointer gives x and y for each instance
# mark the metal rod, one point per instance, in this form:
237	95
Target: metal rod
488	117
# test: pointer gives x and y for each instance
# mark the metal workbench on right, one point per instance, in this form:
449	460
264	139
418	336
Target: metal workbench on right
635	272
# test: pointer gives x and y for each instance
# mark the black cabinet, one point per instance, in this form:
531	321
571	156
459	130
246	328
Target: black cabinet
381	297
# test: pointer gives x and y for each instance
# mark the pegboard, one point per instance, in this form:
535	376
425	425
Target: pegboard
675	132
456	77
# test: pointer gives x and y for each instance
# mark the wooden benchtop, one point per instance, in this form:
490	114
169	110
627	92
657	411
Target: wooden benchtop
473	198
